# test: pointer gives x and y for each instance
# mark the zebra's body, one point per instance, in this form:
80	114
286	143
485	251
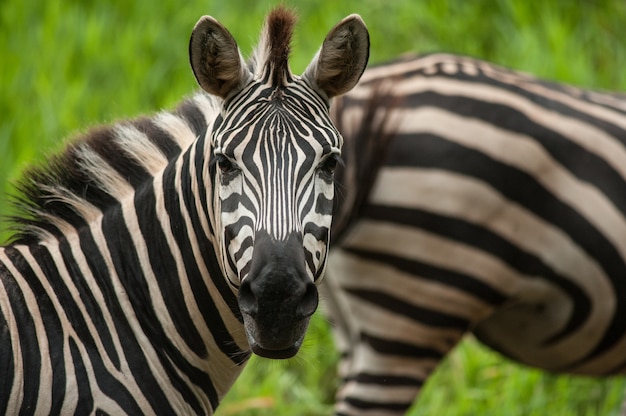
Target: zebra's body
97	318
144	272
499	210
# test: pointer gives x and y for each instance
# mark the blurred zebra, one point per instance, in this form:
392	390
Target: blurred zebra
152	255
499	209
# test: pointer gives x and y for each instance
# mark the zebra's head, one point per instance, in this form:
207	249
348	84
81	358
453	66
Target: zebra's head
273	150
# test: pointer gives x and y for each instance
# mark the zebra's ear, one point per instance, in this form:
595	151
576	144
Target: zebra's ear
215	59
340	62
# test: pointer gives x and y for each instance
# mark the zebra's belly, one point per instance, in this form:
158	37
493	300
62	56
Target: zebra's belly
546	333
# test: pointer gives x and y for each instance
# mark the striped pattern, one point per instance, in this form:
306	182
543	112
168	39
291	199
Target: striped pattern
274	150
117	295
499	209
280	148
88	320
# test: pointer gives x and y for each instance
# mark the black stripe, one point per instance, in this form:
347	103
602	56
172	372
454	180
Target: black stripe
617	370
364	405
323	205
400	348
479	237
88	301
161	138
318	232
127	267
102	277
31	360
237	101
246	243
85	402
435	69
164	266
29	344
7	365
461	281
387	380
189	110
62	293
419	314
204	188
230	204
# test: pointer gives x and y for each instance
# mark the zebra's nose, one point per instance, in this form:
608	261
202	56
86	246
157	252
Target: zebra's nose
276	310
302	298
277	297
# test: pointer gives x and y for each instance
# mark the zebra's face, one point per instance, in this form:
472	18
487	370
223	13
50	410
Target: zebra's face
274	177
274	189
272	156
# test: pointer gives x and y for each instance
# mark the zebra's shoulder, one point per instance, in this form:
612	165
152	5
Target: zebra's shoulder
99	167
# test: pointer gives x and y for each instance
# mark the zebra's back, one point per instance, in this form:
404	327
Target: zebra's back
498	209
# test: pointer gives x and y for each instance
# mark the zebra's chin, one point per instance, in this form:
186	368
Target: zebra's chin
276	354
271	345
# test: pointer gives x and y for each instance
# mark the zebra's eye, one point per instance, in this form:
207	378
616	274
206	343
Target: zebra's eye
329	164
224	164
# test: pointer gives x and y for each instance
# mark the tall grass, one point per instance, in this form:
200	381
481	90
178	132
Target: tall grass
66	65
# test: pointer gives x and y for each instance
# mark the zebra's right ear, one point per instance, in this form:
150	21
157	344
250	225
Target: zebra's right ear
340	62
215	59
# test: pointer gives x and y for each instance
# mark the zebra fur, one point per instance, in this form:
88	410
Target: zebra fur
78	289
498	209
115	295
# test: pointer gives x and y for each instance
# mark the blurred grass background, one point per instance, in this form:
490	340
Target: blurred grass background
67	65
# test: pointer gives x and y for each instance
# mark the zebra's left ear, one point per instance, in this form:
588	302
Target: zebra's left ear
215	59
340	62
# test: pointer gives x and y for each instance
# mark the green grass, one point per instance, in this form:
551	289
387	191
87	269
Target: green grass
66	65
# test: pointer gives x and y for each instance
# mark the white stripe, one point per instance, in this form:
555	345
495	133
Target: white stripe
138	146
103	174
177	128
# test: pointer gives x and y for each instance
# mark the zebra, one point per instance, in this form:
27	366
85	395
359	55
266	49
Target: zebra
152	256
498	209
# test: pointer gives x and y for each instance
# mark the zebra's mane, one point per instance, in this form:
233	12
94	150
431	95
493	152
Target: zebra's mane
101	167
271	56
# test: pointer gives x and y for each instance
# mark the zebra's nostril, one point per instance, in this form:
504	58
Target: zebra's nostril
247	301
309	301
